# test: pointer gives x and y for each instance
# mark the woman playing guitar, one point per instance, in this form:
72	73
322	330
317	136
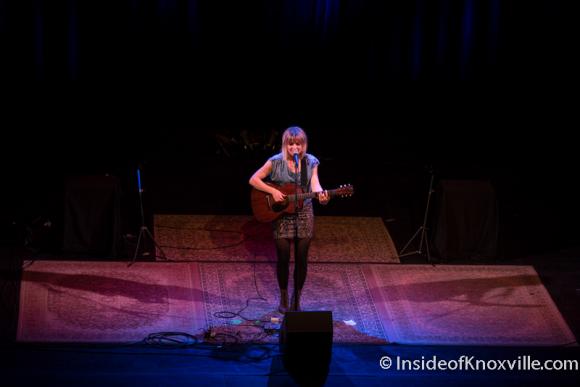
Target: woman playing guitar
290	165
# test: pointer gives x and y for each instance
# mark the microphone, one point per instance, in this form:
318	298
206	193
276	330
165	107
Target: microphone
296	159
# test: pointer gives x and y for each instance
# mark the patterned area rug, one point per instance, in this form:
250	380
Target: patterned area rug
107	301
465	305
238	238
339	288
64	301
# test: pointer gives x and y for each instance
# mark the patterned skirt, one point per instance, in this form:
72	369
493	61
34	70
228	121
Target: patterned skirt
285	226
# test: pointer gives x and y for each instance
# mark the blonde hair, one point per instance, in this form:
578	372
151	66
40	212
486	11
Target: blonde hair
294	134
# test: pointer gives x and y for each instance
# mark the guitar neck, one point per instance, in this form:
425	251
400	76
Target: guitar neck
310	195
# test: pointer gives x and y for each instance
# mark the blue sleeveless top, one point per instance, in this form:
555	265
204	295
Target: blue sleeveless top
281	174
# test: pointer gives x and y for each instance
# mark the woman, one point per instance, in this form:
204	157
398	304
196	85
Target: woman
297	228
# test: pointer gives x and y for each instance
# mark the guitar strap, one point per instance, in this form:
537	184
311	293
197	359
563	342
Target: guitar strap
303	175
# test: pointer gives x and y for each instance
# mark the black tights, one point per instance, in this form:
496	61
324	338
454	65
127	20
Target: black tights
301	260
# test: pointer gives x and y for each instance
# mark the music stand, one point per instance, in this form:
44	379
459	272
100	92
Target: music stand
144	230
422	230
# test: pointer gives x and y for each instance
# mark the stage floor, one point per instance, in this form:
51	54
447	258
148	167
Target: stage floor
108	302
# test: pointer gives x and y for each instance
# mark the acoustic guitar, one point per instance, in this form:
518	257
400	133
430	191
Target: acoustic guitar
265	209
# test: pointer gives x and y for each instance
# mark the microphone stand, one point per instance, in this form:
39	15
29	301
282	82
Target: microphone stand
144	231
422	230
296	185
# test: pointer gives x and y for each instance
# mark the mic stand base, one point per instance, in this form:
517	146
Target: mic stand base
143	232
423	241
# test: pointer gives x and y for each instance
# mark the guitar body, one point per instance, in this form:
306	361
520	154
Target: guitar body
264	207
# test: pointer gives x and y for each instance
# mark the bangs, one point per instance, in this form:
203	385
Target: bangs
293	135
298	139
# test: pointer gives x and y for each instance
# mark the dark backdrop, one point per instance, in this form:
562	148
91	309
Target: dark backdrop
476	89
287	41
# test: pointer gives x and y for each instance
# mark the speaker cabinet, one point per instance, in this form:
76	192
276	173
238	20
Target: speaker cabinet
306	344
92	215
467	220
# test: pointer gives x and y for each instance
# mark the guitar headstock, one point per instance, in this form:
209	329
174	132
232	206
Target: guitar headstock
345	190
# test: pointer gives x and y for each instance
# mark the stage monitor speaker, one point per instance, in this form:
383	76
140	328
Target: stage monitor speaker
306	344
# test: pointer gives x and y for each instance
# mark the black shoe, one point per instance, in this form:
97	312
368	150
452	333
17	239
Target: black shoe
283	307
295	304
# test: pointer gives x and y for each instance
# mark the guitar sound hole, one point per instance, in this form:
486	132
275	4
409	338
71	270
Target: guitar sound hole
277	207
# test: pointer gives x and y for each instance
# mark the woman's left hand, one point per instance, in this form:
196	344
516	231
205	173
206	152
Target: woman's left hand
323	197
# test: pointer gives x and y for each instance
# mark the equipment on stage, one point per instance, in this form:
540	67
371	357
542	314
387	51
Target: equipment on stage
306	346
144	230
422	230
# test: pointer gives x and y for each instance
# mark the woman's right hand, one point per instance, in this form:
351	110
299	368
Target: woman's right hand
278	196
